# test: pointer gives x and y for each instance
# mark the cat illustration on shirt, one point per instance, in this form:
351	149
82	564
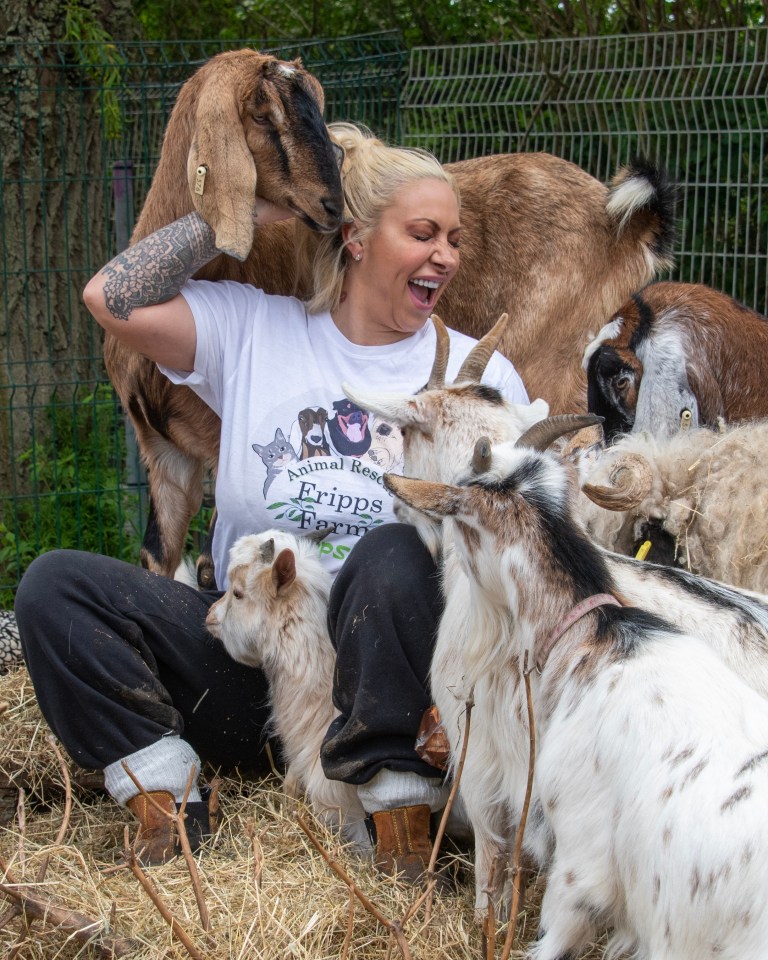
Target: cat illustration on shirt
275	456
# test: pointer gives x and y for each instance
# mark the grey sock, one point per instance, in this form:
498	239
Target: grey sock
391	788
164	765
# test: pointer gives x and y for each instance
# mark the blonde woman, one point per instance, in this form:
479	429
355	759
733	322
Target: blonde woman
130	647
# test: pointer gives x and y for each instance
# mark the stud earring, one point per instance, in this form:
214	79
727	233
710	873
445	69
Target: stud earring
358	257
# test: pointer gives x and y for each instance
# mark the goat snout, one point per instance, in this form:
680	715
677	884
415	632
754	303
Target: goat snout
213	620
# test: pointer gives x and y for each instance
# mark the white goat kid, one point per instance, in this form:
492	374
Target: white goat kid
273	616
651	776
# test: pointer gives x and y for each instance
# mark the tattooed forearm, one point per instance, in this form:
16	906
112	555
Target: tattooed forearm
157	267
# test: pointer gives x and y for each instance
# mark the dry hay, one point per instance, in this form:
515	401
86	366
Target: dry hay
268	891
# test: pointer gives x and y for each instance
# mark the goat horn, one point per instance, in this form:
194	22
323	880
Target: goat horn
442	349
543	434
481	458
268	551
317	535
474	366
631	480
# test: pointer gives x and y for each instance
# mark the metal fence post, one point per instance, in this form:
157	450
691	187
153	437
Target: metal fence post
122	193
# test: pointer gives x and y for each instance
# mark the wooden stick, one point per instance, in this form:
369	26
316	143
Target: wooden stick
432	882
177	930
178	819
488	948
75	924
67	791
392	925
21	819
350	926
11	913
258	857
516	871
194	875
83	779
67	807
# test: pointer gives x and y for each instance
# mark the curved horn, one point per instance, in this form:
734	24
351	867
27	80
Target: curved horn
437	376
631	480
481	458
543	434
268	550
477	360
317	535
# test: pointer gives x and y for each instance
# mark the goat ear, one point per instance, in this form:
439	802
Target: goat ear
404	410
434	499
225	194
284	570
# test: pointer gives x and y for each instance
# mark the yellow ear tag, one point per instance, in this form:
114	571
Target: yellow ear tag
200	180
685	419
642	553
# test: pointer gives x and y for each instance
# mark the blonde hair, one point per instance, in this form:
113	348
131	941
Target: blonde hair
372	173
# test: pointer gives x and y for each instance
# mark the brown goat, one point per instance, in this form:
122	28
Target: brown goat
547	243
542	240
678	350
251	124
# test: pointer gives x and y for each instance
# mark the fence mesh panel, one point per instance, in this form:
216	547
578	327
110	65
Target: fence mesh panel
694	100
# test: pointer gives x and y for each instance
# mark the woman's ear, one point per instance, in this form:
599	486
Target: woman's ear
350	234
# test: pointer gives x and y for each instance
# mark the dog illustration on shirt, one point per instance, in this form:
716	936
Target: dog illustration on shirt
348	429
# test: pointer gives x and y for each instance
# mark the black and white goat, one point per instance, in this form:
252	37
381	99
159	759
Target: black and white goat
440	425
678	351
651	776
273	616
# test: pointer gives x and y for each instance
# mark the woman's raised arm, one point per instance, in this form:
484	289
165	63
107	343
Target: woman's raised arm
136	298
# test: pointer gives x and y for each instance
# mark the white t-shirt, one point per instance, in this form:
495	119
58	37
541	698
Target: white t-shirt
295	453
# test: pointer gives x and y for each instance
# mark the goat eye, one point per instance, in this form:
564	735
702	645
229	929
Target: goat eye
237	594
263	120
622	382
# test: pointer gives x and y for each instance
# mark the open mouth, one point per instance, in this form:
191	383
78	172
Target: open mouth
425	291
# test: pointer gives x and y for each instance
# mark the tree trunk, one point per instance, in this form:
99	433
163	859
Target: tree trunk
55	213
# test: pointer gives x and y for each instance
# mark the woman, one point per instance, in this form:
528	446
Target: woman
129	648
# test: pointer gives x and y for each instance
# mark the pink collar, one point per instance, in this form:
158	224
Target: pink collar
598	600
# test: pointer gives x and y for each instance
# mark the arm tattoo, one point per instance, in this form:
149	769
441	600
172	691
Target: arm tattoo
157	267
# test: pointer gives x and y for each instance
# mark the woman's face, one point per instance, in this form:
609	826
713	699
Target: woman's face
405	263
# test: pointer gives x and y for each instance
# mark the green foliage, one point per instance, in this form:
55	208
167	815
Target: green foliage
97	53
73	474
434	22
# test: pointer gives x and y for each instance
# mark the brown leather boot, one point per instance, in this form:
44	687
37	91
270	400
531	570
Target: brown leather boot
403	845
158	839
